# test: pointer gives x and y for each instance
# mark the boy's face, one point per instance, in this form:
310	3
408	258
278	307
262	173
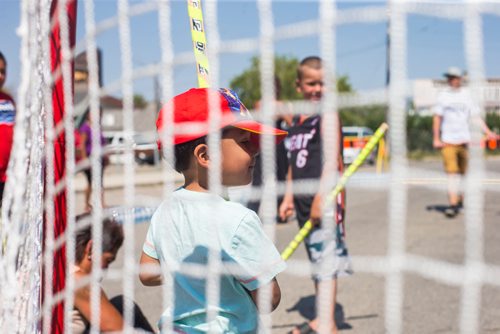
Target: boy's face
238	157
107	259
455	82
311	83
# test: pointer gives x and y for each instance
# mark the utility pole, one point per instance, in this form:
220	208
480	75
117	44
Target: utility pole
388	51
383	149
157	93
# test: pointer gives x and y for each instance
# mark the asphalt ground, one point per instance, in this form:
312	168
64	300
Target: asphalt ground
429	305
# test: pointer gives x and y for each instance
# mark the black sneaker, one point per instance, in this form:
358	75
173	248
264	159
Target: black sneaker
451	211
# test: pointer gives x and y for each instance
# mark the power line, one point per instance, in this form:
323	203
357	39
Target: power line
363	49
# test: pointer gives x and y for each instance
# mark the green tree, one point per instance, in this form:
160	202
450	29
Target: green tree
139	101
343	84
247	84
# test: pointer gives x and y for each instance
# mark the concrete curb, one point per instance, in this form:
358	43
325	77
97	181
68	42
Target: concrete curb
114	178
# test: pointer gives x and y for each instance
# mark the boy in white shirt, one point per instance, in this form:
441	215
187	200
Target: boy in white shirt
452	114
196	222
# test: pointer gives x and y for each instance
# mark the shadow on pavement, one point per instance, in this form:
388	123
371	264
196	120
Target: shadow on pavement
306	306
437	207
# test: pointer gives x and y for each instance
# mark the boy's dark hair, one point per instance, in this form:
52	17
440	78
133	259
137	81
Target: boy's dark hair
314	62
112	235
2	57
184	153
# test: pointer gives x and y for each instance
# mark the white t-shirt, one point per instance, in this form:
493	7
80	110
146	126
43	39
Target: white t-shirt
456	107
183	230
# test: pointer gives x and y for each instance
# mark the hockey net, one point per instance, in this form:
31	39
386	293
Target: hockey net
40	205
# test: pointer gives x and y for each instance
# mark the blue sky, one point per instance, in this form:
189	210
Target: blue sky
433	43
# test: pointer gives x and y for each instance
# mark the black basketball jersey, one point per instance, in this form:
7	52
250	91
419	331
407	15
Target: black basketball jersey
306	162
305	149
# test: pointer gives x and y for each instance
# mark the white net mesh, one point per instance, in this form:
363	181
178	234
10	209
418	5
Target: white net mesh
393	304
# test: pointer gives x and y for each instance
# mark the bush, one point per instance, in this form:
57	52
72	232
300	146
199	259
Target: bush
370	116
493	121
419	133
419	128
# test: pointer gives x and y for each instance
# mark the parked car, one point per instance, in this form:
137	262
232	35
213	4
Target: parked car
146	150
355	138
143	144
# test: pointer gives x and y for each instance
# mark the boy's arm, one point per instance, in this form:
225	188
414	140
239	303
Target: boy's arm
257	260
286	207
490	134
275	295
150	273
436	129
110	319
437	120
82	148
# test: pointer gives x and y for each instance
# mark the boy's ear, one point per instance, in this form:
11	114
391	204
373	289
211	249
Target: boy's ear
297	86
88	249
201	155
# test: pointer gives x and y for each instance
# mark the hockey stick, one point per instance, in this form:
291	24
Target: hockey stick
199	41
367	149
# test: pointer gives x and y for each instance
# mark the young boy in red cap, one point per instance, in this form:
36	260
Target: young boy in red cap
195	221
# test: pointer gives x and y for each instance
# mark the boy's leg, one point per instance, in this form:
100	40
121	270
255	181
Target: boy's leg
326	299
325	318
463	161
329	258
453	189
88	189
451	158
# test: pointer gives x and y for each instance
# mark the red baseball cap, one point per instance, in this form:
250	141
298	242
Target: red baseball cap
191	113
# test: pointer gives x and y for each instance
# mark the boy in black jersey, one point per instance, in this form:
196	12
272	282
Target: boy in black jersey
325	247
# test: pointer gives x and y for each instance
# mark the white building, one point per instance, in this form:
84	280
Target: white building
425	93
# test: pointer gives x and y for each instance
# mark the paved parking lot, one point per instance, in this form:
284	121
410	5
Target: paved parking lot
428	306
